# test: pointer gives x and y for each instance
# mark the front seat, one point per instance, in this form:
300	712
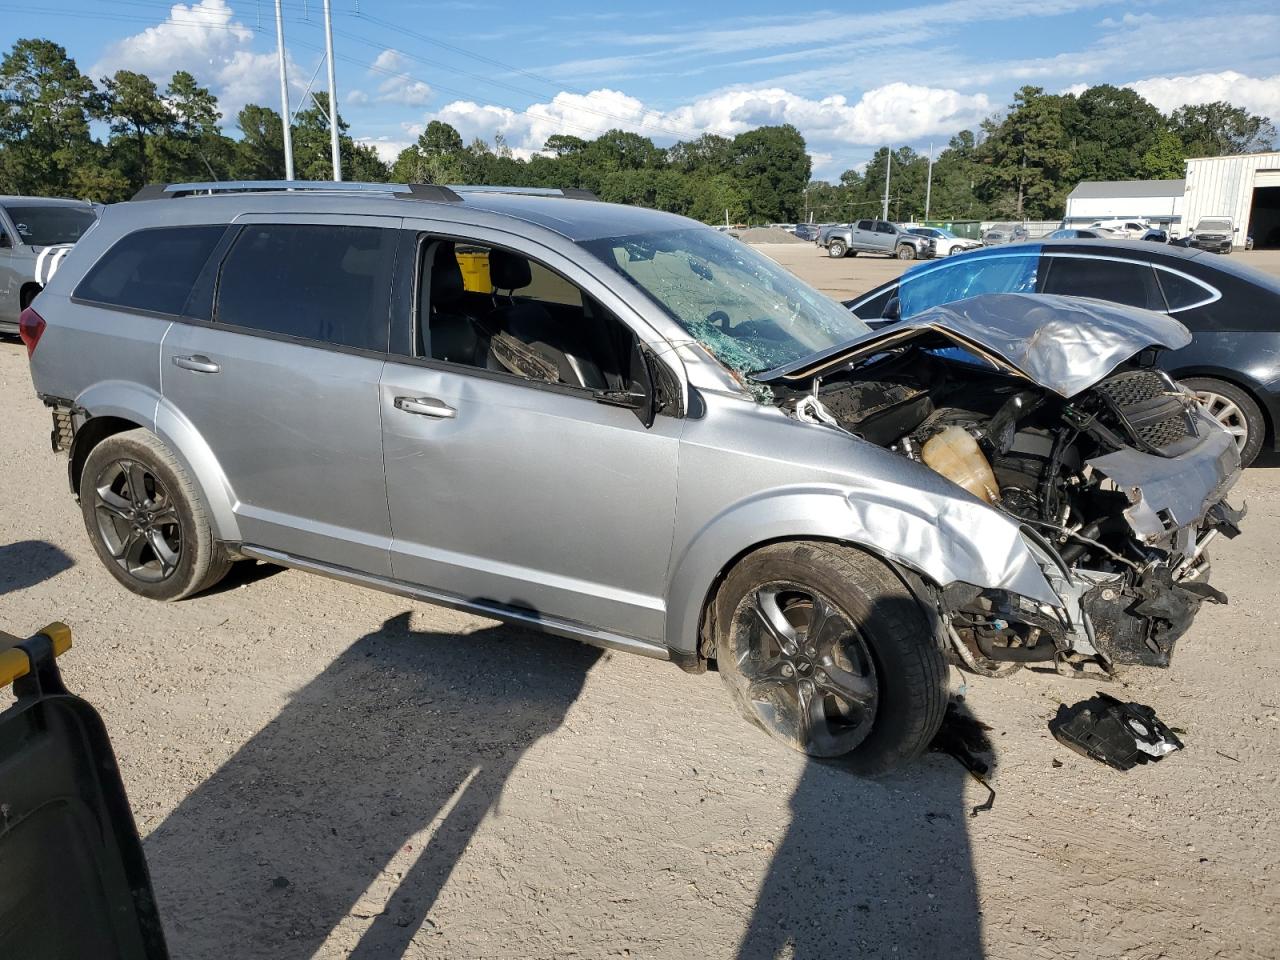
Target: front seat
533	325
453	334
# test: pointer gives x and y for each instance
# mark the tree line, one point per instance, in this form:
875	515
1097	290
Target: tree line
1020	163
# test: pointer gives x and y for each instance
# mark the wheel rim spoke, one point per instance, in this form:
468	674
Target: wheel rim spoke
773	620
137	521
166	555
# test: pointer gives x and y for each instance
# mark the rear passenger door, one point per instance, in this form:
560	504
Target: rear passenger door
1130	282
277	365
886	237
864	235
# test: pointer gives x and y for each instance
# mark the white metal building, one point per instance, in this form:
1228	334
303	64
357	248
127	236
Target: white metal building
1245	187
1159	202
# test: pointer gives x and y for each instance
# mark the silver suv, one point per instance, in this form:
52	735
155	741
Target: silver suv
621	426
35	234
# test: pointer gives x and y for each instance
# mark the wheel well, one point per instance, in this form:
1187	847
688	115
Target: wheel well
92	433
28	293
1199	374
706	616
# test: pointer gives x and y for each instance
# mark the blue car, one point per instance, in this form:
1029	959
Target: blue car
1232	311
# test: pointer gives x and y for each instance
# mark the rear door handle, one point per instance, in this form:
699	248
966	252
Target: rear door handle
426	407
198	363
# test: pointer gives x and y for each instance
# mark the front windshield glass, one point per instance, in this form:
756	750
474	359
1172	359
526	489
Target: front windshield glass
40	225
749	312
1223	225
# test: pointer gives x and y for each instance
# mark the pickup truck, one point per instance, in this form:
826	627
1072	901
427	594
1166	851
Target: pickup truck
875	236
1216	234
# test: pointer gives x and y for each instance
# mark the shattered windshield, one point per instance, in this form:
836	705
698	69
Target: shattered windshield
748	311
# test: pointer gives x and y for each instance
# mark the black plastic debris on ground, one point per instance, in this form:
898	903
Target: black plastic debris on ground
1119	734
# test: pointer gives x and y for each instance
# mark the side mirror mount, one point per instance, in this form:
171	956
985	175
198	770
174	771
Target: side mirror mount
641	393
892	309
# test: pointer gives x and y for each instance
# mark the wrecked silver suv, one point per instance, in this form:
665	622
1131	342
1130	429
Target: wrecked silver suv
623	427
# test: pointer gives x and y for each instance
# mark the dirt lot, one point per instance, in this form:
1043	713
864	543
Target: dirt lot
324	771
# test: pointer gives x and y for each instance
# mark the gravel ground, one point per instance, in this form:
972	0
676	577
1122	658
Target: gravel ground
324	771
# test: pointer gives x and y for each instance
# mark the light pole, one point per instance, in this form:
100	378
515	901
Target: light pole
888	154
333	92
928	185
284	95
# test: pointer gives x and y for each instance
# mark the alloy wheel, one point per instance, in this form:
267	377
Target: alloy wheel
809	675
137	520
1226	413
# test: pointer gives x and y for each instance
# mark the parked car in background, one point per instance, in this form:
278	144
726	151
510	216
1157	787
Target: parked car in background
1071	233
945	242
1215	234
999	233
1155	235
806	231
875	236
35	234
512	421
1232	311
1122	229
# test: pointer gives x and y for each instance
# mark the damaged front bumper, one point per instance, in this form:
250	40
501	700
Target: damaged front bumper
1135	616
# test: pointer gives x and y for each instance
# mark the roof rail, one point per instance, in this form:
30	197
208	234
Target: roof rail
404	191
409	191
573	193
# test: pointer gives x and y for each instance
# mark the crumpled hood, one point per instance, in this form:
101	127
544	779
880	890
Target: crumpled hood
1064	344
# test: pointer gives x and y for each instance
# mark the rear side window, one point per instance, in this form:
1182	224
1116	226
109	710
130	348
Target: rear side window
1120	281
864	224
317	282
1182	293
151	270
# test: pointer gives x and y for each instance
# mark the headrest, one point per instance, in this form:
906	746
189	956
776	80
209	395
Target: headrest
508	271
446	276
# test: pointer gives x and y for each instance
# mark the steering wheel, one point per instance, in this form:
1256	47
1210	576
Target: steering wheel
719	318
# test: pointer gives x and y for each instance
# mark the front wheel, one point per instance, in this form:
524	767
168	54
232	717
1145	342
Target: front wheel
1232	407
824	648
906	252
836	249
145	519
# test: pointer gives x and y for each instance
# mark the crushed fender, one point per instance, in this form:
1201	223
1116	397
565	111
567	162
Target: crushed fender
1119	734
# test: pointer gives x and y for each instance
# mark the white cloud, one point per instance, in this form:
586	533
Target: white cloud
399	87
894	113
204	39
388	149
1256	94
390	60
355	97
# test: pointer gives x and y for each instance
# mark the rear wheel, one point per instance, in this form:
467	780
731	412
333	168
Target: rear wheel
146	520
836	249
825	649
1232	407
906	251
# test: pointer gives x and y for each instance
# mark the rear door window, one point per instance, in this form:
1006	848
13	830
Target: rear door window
1128	282
864	224
963	277
320	282
151	270
1182	293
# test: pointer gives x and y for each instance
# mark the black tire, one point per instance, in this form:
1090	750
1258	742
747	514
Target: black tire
1219	397
890	646
146	520
905	251
836	249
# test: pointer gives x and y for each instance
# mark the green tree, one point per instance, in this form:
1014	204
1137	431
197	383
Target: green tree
133	109
771	163
260	149
1165	159
45	107
1025	158
312	153
1217	129
1109	130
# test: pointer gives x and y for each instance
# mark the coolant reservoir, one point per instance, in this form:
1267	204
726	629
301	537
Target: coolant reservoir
956	455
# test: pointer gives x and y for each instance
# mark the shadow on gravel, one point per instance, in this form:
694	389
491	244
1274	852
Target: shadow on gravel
28	562
313	820
879	868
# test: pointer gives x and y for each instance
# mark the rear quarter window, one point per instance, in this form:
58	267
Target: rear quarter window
151	270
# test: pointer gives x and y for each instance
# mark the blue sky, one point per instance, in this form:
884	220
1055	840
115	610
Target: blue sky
850	77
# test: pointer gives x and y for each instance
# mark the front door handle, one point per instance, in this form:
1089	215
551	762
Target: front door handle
198	363
426	407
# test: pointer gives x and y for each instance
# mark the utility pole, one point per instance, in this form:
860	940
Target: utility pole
333	92
284	95
888	155
928	184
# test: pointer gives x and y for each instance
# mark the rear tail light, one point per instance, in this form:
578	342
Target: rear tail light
30	329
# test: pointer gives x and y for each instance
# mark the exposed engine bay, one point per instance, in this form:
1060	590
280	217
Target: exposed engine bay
1111	483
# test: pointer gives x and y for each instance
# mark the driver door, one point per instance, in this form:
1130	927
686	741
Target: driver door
505	489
